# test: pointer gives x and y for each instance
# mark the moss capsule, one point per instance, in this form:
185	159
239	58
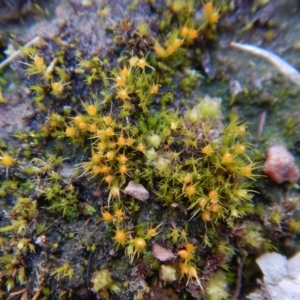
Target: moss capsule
91	110
184	254
120	237
213	195
7	160
206	215
227	158
70	132
106	216
207	150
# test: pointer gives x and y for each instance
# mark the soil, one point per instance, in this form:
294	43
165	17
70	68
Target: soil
265	99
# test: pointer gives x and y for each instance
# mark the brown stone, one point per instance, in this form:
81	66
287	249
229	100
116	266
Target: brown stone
280	165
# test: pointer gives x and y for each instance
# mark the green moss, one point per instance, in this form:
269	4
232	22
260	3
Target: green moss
63	200
125	118
103	284
217	287
63	271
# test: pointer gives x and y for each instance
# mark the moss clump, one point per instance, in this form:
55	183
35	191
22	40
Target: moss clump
65	270
103	284
190	161
14	250
123	115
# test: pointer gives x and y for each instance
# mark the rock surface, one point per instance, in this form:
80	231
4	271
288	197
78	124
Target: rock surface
281	277
16	113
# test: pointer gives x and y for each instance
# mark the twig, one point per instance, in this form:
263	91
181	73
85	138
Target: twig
260	128
18	292
239	278
17	53
285	68
88	270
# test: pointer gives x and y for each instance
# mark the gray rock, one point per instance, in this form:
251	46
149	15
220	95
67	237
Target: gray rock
137	191
281	278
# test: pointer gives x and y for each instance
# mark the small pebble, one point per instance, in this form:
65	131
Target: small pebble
280	165
161	253
235	87
66	171
137	191
40	240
